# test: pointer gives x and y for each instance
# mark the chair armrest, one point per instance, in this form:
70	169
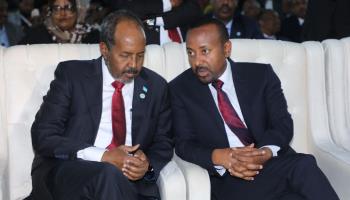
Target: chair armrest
171	182
197	180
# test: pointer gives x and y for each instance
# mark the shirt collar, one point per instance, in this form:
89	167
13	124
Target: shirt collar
226	77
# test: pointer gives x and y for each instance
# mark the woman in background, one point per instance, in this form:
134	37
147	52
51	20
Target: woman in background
62	26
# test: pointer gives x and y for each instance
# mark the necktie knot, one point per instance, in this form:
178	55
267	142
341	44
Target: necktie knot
118	85
218	84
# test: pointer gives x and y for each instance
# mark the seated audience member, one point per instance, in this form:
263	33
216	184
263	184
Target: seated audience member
103	129
22	15
231	118
270	25
252	9
62	26
10	34
327	19
292	26
165	20
237	25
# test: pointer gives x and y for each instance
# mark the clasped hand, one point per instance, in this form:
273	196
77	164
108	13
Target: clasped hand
129	159
242	162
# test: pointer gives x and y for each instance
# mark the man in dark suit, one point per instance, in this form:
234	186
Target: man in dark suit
165	20
102	131
334	22
237	25
292	26
10	34
231	119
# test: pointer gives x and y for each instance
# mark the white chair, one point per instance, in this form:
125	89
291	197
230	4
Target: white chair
336	91
300	68
28	71
3	144
332	158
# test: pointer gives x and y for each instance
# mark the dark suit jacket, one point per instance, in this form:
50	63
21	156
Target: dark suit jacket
199	128
334	22
291	29
244	27
183	16
69	118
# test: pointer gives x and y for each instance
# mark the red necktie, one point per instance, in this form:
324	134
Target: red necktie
118	116
174	35
230	116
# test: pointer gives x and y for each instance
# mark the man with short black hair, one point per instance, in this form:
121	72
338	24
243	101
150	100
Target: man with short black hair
231	118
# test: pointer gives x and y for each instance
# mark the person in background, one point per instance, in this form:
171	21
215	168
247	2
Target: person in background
10	34
237	25
292	26
62	26
165	20
22	15
270	25
103	129
231	118
326	19
252	9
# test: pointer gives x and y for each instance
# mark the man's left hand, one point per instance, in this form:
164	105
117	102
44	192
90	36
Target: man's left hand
136	166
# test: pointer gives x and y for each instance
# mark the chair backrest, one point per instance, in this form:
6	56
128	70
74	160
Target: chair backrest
3	138
337	90
28	70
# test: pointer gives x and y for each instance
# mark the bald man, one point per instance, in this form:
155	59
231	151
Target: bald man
102	131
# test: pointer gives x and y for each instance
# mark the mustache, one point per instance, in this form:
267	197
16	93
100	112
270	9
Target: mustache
200	68
225	8
131	70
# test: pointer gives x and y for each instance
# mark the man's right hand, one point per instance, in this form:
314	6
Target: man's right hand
118	155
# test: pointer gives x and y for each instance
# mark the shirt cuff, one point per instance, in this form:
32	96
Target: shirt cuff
273	148
220	169
159	21
91	154
166	5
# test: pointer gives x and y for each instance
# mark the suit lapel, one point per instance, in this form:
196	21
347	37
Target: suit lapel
206	102
93	92
242	92
141	98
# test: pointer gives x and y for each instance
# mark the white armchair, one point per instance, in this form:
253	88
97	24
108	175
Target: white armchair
325	87
27	71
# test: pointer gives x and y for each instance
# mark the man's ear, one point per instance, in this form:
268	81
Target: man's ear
104	50
227	48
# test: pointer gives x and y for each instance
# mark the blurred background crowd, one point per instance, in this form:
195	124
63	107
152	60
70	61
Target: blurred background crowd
78	21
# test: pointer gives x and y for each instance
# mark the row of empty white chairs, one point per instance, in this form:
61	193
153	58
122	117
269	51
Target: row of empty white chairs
315	78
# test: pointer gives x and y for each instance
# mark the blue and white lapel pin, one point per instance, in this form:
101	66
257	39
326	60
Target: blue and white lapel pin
143	93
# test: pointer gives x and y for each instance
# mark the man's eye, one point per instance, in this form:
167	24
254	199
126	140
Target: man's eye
205	51
190	53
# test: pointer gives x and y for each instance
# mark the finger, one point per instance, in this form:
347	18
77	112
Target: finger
132	175
132	149
254	167
133	161
139	154
250	173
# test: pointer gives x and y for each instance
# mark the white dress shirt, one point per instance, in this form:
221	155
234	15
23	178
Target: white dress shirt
105	132
229	88
163	33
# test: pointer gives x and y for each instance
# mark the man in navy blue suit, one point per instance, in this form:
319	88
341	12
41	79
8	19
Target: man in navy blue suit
103	129
231	119
237	25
